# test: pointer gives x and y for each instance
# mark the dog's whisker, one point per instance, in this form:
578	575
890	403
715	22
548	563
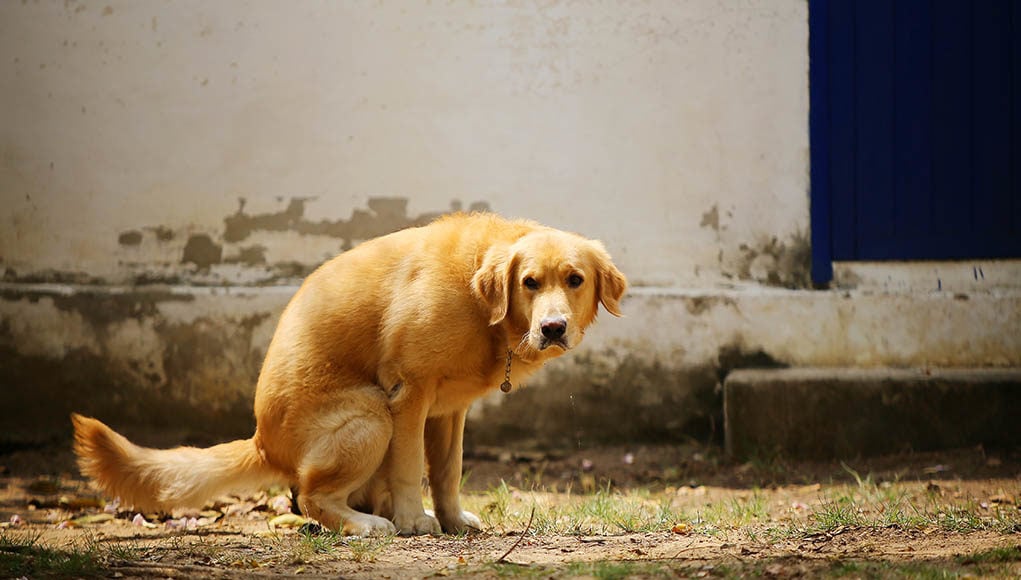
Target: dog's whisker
522	344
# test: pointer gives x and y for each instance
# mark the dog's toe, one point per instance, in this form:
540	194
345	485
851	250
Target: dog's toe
368	525
417	525
463	522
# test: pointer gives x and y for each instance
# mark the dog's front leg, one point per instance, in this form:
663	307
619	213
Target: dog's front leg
406	464
444	437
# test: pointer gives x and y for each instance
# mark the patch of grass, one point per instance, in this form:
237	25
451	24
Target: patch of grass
863	503
867	504
615	570
367	549
496	511
124	551
839	512
880	569
602	569
958	519
734	513
321	542
21	555
605	512
1002	555
205	549
782	567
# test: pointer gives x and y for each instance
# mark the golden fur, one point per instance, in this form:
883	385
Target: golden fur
372	368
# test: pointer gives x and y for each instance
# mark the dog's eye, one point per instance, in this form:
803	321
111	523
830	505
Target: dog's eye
574	280
531	283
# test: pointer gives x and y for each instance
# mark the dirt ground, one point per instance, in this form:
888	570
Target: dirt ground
47	511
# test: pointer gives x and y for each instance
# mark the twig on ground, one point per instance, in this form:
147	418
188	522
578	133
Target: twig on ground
691	546
528	526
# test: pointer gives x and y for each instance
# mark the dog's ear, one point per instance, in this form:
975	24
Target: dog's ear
491	282
611	283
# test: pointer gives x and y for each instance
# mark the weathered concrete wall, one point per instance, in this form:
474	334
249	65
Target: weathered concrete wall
169	173
181	361
240	141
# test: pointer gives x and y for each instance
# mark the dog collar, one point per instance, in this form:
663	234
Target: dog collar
506	385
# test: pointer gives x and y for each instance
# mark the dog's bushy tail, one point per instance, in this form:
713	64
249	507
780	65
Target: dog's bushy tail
164	479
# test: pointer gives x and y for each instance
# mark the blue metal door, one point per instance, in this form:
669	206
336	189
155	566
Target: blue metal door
915	130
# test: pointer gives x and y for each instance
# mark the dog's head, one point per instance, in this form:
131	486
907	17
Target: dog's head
547	286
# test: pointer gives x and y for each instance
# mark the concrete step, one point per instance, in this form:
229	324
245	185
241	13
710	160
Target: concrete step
832	413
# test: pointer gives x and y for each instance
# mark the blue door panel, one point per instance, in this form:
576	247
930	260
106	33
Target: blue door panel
874	83
992	207
912	134
916	138
951	117
841	138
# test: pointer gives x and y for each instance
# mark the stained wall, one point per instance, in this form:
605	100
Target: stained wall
170	171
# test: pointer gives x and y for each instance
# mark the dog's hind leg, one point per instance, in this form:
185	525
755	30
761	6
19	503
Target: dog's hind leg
349	446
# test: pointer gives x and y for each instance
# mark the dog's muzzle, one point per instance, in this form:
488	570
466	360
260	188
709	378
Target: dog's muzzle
554	332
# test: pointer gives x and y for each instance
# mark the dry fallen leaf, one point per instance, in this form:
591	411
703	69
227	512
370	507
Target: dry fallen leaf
683	529
80	502
92	519
287	521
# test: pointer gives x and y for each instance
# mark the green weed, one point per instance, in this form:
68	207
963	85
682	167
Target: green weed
1002	555
734	513
603	570
21	555
368	549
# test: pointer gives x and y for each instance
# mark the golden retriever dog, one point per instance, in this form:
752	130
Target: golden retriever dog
371	371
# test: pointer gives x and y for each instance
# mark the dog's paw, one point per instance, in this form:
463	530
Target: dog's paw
460	523
368	525
417	524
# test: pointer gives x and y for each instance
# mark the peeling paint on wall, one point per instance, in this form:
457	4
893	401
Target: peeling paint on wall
52	277
777	263
202	251
384	215
163	233
699	305
248	256
130	238
711	218
252	249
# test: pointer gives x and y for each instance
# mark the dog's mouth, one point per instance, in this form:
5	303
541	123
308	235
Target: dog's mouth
560	343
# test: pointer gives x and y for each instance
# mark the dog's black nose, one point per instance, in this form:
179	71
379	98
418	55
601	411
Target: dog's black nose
554	328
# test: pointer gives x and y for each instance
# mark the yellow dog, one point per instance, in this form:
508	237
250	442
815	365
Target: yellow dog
372	368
